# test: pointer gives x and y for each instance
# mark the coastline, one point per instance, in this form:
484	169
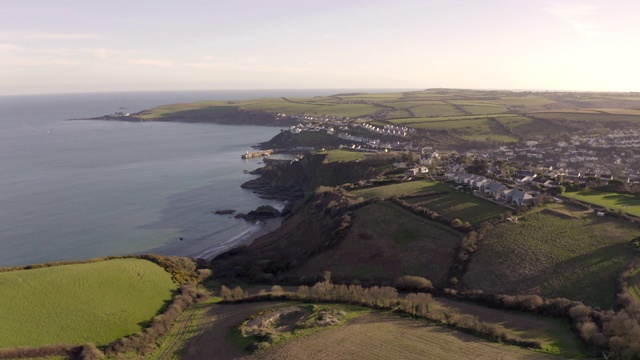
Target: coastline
189	249
262	227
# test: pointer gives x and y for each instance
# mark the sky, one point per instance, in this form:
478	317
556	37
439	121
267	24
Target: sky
58	46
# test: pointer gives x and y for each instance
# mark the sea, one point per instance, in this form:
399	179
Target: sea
79	189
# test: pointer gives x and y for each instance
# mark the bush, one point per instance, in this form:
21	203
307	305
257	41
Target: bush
412	283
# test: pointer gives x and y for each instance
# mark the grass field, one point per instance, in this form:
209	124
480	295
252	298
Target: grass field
371	335
484	109
343	155
165	110
387	241
554	256
399	189
555	334
395	114
313	138
522	101
460	205
626	202
418	120
382	336
586	116
455	204
96	302
437	109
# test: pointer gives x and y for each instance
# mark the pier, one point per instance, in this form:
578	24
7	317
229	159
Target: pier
249	155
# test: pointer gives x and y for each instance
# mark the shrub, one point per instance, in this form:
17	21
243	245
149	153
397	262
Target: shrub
90	352
412	283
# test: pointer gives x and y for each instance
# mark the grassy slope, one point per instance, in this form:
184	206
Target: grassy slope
343	155
387	241
578	259
400	189
465	114
626	202
555	334
461	205
455	204
96	302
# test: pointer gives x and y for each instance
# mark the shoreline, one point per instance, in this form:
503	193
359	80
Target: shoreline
246	237
261	228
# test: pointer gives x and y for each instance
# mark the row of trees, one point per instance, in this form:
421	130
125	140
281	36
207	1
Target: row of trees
421	305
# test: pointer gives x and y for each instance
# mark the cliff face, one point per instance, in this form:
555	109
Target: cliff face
320	222
302	177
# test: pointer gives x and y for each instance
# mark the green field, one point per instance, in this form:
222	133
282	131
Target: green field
484	109
343	155
437	109
522	101
586	116
418	120
625	202
169	109
454	204
315	138
554	256
95	302
399	189
459	205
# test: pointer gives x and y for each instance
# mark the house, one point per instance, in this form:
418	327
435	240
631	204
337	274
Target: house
495	188
419	170
633	179
520	197
481	183
451	175
462	178
506	195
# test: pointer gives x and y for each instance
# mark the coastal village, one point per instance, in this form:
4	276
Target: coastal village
577	158
512	174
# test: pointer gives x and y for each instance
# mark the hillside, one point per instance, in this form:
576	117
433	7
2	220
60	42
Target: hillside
319	223
448	118
302	177
386	241
555	256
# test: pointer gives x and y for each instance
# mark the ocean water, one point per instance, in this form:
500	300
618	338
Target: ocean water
81	189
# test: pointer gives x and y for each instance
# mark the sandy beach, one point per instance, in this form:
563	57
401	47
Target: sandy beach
195	249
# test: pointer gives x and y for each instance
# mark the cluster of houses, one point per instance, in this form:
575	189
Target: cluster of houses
615	155
494	189
411	169
370	144
391	130
576	158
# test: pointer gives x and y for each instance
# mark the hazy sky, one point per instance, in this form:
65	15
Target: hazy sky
72	46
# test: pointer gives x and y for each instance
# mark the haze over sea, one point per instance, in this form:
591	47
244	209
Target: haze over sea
81	189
